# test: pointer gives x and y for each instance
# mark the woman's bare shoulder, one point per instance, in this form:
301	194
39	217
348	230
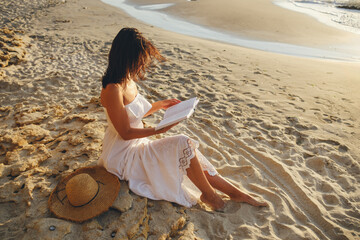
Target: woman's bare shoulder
111	92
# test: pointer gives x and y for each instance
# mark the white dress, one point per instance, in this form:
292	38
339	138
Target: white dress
154	168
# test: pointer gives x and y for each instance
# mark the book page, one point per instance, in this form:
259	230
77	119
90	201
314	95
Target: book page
174	119
184	111
182	106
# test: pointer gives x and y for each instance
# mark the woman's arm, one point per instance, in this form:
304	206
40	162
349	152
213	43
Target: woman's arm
164	104
112	99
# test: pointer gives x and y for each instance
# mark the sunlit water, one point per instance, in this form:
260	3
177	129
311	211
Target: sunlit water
327	12
149	15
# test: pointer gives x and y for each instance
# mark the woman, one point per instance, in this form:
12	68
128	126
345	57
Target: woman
154	169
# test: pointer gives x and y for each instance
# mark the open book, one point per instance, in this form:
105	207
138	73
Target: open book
178	112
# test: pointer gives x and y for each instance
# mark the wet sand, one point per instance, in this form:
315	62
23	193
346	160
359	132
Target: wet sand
258	20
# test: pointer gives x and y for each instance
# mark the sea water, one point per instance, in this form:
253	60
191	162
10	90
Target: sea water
150	15
327	12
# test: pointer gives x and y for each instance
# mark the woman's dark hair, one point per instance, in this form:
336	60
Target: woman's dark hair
129	57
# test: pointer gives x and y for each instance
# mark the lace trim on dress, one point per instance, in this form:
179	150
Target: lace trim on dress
205	164
189	153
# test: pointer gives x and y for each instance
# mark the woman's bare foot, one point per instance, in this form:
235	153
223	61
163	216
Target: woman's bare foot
242	197
214	200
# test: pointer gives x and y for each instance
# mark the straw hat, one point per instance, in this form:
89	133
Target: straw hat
84	194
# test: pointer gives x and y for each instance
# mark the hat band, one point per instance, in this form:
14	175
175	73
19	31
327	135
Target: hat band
90	199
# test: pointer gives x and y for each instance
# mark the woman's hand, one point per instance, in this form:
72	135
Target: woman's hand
165	104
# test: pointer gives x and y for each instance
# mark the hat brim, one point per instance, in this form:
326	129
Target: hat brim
109	186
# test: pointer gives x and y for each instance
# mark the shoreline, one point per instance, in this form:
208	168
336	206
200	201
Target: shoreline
148	14
166	15
284	129
321	13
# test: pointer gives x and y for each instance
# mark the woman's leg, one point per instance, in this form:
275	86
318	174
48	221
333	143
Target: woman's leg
233	192
197	176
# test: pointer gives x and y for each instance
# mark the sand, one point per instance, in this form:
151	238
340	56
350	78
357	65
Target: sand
284	129
258	19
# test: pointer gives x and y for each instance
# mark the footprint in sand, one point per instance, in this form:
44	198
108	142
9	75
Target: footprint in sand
330	199
324	187
316	163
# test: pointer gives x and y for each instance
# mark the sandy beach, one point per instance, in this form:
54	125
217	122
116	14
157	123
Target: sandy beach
284	129
257	19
